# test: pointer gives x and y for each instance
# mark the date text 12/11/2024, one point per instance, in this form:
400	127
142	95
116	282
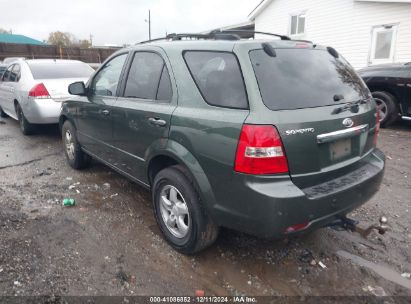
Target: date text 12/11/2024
234	299
204	299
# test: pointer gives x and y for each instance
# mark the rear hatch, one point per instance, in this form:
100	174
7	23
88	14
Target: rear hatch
308	95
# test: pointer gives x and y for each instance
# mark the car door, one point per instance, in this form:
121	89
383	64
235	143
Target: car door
93	118
142	114
6	94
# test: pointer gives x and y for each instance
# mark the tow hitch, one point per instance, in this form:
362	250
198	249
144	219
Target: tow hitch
345	223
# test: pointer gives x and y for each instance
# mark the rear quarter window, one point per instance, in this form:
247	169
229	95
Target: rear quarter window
218	77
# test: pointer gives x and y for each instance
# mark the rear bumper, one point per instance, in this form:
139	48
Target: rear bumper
267	206
42	111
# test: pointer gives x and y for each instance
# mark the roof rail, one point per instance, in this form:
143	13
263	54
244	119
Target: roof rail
152	40
175	36
282	37
210	36
213	35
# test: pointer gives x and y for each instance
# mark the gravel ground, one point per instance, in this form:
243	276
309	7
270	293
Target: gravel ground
109	243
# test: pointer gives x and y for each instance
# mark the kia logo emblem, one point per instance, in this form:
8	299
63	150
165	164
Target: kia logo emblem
348	122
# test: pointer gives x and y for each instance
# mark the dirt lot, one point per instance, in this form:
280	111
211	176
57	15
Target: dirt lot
109	243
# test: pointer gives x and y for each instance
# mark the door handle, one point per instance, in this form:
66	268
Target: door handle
157	122
105	112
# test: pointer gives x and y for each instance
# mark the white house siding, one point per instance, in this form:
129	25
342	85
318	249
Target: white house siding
344	24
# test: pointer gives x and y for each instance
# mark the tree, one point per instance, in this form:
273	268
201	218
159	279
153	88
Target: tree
3	31
84	44
61	39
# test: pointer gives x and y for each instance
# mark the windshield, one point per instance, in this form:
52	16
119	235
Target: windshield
304	78
60	70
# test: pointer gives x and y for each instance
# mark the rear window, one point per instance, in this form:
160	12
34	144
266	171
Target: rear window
60	70
304	78
218	77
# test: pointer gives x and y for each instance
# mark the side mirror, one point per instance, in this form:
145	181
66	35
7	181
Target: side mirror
77	88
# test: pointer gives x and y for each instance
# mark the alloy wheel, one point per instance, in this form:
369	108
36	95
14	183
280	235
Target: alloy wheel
382	108
174	211
70	148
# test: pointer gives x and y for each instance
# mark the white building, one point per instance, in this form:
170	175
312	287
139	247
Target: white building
365	32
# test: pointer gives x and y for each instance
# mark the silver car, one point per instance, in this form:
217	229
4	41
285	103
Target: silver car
31	91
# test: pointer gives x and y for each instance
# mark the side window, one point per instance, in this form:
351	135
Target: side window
15	73
105	83
148	78
6	76
218	77
164	87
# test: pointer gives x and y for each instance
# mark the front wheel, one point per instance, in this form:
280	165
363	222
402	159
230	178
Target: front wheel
179	213
76	158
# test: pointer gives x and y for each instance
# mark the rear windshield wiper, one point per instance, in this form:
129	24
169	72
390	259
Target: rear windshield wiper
352	106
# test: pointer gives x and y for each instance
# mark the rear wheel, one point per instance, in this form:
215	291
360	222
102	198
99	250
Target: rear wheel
25	127
388	107
179	213
76	158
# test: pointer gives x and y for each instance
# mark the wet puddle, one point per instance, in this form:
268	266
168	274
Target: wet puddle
384	272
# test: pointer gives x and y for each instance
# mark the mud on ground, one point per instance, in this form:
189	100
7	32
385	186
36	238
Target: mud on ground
109	243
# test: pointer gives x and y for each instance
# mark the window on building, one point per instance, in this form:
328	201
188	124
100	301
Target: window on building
382	44
297	24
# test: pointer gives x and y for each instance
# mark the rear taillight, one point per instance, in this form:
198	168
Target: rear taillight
39	91
377	127
260	151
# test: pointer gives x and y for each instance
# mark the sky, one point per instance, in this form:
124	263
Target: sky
118	22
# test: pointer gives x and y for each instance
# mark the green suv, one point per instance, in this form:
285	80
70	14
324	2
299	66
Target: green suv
268	137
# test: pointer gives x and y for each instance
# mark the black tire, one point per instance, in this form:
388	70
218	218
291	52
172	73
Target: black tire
389	107
76	157
2	113
201	232
26	127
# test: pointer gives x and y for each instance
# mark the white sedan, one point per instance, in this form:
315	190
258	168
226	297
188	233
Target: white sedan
31	91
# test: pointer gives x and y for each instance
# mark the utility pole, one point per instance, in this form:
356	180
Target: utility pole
149	25
91	40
